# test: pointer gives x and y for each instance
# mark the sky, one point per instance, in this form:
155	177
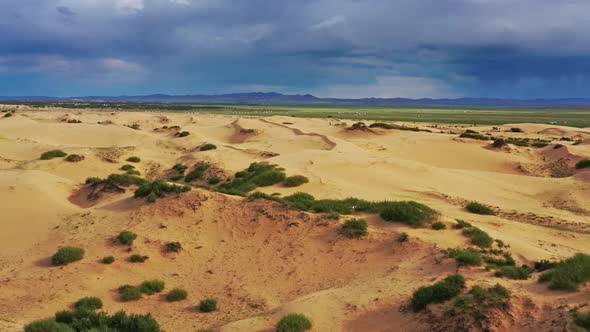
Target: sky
328	48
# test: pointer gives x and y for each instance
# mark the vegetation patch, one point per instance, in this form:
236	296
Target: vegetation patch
585	163
157	189
295	181
479	301
67	255
90	303
173	247
126	237
136	258
499	142
478	237
213	180
196	173
437	226
568	274
108	259
53	154
150	287
513	272
182	134
208	305
354	228
478	208
293	323
461	224
439	292
176	294
207	147
582	320
133	159
471	134
127	167
74	158
408	212
257	175
466	257
402	237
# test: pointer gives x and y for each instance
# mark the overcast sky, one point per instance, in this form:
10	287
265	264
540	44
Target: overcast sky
329	48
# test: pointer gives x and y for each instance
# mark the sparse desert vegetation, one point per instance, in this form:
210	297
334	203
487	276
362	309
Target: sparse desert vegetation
67	255
354	228
293	323
479	208
439	292
53	154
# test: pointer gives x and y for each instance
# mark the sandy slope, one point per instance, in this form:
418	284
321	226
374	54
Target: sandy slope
260	259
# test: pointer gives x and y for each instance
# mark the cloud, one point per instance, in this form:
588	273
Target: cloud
329	23
128	7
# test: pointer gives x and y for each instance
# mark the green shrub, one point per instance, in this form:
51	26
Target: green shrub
569	274
125	180
540	144
213	180
544	265
583	164
257	175
241	174
173	247
513	272
461	224
208	305
133	159
129	293
507	260
136	258
354	228
402	237
438	226
580	319
158	189
516	130
478	237
437	293
208	147
499	142
150	287
408	212
47	325
127	167
93	180
558	146
176	294
474	135
295	181
478	208
176	177
183	134
126	237
293	323
53	154
108	259
268	178
74	157
518	141
179	168
196	173
67	255
465	257
91	303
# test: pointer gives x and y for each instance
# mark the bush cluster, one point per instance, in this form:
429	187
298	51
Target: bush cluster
157	189
474	135
108	259
196	173
437	226
585	163
461	224
293	323
207	147
257	175
465	257
295	181
478	237
67	255
513	272
208	305
354	228
176	294
568	274
582	320
478	208
137	258
408	212
480	300
91	303
53	154
183	134
133	159
126	237
173	247
129	293
150	287
439	292
213	180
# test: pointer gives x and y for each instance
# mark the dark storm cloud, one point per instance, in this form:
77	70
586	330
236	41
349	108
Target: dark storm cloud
530	48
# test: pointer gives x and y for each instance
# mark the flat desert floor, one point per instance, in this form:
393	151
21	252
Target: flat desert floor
262	259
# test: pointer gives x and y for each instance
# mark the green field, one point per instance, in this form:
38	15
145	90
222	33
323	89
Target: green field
575	118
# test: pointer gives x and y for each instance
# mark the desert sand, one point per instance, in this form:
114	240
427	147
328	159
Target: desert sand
260	259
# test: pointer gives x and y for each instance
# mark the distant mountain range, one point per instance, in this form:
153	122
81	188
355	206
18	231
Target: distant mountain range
273	98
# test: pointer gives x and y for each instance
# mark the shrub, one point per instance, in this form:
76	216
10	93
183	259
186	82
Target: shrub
461	224
176	294
150	287
544	265
127	167
180	168
173	247
513	272
507	260
558	146
268	178
478	208
293	323
176	177
67	255
295	181
439	226
208	305
516	130
53	154
129	293
125	180
540	144
133	172
241	174
133	159
569	274
196	173
158	188
208	147
213	180
47	325
257	175
108	259
518	141
478	237
408	212
580	319
499	142
136	258
354	228
91	303
183	134
437	293
583	164
474	135
382	125
127	237
402	237
465	257
74	157
93	180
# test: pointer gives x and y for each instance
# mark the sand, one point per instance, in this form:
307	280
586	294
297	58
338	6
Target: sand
260	259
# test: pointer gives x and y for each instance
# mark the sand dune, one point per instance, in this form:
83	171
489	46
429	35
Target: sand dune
259	258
